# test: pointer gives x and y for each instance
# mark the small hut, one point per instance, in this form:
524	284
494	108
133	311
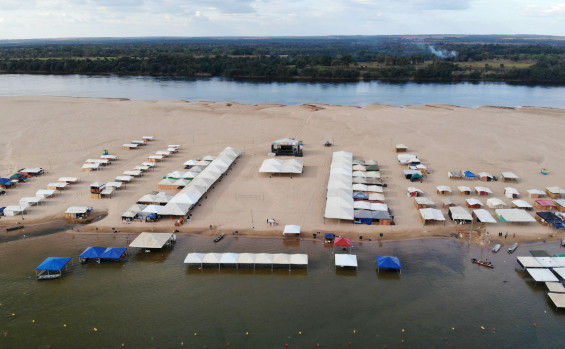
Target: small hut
509	177
96	189
536	193
483	191
421	202
560	205
443	190
486	177
464	190
522	204
413	192
511	193
473	203
554	192
447	203
455	175
129	146
78	212
401	148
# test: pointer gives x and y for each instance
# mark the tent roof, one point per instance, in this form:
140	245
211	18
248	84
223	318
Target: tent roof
374	188
103	252
424	201
291	229
469	174
514	216
246	258
151	240
546	203
194	258
511	190
299	259
264	258
340	208
54	263
443	188
464	188
483	189
473	202
460	213
542	275
484	216
345	260
229	258
152	209
529	262
343	242
536	191
129	214
509	175
521	204
494	202
175	209
388	262
362	205
212	258
77	209
432	214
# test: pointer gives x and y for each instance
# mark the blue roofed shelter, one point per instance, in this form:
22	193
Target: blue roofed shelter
388	262
100	253
470	175
51	267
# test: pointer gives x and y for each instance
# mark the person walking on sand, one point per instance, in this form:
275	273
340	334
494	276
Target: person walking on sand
505	236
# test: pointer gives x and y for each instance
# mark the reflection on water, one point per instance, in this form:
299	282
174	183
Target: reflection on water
359	93
153	300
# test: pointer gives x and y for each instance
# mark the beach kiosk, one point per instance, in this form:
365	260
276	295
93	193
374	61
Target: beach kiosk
388	262
52	268
291	229
287	146
401	148
78	212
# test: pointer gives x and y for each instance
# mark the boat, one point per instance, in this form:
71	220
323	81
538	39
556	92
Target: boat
15	228
483	263
513	248
496	248
219	237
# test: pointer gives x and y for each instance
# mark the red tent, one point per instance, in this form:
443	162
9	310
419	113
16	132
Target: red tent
345	242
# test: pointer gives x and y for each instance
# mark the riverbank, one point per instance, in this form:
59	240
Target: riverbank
59	133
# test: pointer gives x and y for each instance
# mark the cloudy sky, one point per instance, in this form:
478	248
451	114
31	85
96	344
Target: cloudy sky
20	19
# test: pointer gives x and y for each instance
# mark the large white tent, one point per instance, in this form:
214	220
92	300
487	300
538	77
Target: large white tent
291	229
484	216
345	260
514	216
152	240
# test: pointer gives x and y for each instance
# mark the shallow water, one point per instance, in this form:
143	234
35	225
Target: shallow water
358	93
153	300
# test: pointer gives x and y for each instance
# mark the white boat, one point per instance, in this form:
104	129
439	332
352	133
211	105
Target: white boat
513	248
496	248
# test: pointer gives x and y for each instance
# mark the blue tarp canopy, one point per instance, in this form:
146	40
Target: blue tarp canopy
388	262
329	235
550	217
103	253
469	174
6	181
54	263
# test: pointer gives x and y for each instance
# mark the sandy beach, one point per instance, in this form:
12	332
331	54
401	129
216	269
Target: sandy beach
59	134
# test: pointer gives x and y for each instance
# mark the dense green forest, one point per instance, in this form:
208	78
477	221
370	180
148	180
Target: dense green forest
392	58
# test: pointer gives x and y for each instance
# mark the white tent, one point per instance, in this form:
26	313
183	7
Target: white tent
511	192
483	190
379	207
292	166
229	258
152	209
542	275
246	258
345	260
359	168
152	240
473	202
521	204
175	209
78	209
495	203
281	259
536	192
194	258
407	158
484	216
211	258
134	173
443	188
176	174
459	213
190	162
509	176
45	193
264	258
69	179
13	210
339	208
374	189
339	192
376	197
424	201
299	259
373	174
431	214
362	205
124	179
464	188
291	229
359	187
359	174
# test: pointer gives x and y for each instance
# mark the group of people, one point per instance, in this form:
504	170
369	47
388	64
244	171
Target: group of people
271	222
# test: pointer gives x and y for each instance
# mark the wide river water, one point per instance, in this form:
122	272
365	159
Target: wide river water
360	93
152	300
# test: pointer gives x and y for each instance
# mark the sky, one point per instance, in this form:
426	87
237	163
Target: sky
28	19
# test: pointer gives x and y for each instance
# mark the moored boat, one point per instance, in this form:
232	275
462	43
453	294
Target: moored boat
219	237
496	248
513	248
15	228
483	263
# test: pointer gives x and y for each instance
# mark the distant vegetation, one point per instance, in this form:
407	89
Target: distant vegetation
392	58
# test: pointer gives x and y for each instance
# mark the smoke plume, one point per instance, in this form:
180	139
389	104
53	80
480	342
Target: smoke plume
442	53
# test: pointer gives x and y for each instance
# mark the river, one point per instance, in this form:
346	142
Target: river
151	300
359	93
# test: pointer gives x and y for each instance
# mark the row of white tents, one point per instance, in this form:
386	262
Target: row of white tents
339	197
247	259
40	195
292	166
186	198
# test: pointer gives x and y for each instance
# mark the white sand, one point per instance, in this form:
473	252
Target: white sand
58	134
